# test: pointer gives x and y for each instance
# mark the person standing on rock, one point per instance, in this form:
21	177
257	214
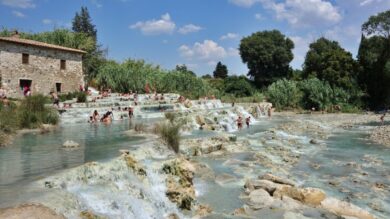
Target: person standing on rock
382	118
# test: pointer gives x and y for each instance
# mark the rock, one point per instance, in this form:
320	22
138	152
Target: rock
277	179
224	179
233	138
313	141
179	183
200	120
173	216
134	165
49	184
309	196
287	203
124	152
29	211
89	215
203	210
342	208
313	196
259	198
70	144
268	186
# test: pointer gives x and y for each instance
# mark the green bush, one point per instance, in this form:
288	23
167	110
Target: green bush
170	134
81	97
317	93
239	86
284	94
32	112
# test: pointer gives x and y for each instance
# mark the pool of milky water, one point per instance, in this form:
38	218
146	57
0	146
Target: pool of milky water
33	156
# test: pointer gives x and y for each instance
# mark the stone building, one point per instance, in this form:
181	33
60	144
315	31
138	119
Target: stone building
39	66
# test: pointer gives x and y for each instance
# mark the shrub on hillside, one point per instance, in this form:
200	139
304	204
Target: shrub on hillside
284	94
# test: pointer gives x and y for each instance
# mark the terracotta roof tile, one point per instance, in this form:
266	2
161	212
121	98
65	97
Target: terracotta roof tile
39	44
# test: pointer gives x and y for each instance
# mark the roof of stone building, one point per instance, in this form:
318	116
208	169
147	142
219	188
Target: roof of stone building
39	44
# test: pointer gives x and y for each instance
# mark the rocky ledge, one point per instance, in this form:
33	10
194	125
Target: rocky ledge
275	196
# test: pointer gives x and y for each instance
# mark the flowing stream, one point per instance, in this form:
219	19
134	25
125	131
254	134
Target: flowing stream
347	168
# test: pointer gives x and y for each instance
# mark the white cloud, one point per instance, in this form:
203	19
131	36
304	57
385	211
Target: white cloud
300	13
229	36
207	50
244	3
47	21
189	28
258	16
155	27
368	2
19	3
233	52
344	34
18	14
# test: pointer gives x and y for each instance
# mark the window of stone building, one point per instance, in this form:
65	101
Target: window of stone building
63	64
58	87
25	58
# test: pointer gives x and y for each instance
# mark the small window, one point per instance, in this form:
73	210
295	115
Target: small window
58	87
25	58
63	64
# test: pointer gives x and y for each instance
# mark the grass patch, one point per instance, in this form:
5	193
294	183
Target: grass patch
170	134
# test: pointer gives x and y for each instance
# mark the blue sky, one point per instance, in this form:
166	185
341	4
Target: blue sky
197	33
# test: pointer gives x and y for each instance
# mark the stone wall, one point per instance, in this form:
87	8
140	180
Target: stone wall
43	69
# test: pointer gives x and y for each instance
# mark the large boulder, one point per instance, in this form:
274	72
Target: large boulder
259	198
308	196
342	208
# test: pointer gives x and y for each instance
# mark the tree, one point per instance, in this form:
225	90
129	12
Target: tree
327	61
183	68
378	25
267	55
82	23
220	71
374	59
239	86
